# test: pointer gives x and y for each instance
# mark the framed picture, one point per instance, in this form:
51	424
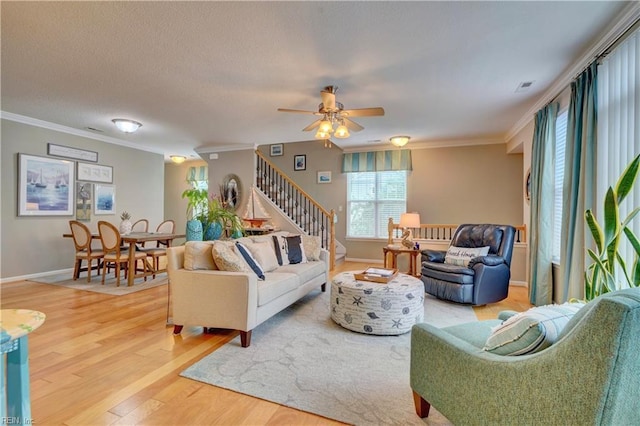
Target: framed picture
276	150
95	173
45	186
67	151
300	162
104	199
324	177
84	199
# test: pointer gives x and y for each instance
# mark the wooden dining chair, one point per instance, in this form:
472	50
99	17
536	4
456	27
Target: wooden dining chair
82	240
166	227
140	225
113	253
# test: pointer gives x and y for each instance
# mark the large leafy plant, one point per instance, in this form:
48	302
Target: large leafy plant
603	275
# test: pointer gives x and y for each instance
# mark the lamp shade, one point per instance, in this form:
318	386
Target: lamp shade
325	126
410	220
341	132
322	135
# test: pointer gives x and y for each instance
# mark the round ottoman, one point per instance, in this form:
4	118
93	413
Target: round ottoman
373	308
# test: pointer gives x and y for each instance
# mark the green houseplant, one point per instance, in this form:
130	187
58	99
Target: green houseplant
220	217
197	202
603	275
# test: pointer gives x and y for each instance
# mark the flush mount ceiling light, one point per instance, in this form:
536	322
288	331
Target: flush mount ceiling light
178	159
399	141
126	126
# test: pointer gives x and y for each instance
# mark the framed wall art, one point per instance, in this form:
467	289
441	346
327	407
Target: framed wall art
104	199
68	152
300	162
84	200
95	173
276	150
324	177
45	186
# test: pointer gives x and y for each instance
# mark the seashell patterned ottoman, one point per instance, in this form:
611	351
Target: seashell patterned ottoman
372	308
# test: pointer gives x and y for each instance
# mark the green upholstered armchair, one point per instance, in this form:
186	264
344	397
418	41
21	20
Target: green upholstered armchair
591	375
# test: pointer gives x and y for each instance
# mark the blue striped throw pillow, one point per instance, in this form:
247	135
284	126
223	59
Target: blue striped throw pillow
531	331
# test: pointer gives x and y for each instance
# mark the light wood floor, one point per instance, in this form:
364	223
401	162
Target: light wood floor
101	359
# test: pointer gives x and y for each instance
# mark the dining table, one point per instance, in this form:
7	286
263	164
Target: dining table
134	238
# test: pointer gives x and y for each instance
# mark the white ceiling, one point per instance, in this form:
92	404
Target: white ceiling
209	75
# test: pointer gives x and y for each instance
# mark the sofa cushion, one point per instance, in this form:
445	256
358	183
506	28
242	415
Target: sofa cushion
251	261
276	284
312	246
198	256
295	250
263	252
531	331
306	271
280	249
462	255
227	259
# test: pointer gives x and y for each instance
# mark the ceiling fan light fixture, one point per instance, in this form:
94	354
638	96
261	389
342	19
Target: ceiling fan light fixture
341	132
178	159
399	141
325	126
322	135
125	125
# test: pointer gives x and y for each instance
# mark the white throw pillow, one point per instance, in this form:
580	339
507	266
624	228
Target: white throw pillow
264	253
531	331
462	255
312	246
227	258
198	256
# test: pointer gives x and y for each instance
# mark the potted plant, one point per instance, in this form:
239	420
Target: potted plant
221	218
603	275
197	204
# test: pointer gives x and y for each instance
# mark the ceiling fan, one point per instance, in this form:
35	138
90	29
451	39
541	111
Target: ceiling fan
333	113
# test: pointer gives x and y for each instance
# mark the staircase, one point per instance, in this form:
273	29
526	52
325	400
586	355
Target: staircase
294	203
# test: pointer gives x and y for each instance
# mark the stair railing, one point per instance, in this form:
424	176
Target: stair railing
296	204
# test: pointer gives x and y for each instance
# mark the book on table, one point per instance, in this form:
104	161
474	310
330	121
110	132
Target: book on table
378	275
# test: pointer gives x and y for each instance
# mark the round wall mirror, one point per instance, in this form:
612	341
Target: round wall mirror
231	191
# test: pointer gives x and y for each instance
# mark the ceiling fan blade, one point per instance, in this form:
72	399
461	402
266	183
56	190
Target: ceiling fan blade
363	112
299	111
352	125
312	126
328	100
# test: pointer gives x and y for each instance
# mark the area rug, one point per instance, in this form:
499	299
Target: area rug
109	287
302	359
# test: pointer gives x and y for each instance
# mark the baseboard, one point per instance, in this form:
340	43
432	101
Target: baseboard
32	276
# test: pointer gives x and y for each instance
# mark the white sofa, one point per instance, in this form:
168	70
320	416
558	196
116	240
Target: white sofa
238	300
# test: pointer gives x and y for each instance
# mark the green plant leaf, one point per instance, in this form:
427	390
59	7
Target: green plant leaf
623	267
632	215
636	273
611	217
627	179
596	230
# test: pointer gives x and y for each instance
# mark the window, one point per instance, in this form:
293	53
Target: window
561	141
372	198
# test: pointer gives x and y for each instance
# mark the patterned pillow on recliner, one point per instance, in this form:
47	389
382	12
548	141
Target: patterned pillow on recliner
461	256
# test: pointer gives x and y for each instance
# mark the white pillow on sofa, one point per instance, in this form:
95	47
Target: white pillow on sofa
530	331
462	255
198	256
264	253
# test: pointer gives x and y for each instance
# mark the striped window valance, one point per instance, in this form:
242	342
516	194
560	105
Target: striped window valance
197	173
377	161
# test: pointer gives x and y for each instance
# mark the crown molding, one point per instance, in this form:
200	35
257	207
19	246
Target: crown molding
427	145
71	131
621	24
209	149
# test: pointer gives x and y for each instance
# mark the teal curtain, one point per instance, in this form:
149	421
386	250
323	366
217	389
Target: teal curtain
542	174
376	161
197	173
579	183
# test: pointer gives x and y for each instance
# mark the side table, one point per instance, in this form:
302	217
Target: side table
393	253
15	325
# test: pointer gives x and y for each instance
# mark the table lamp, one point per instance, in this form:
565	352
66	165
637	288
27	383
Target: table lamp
407	221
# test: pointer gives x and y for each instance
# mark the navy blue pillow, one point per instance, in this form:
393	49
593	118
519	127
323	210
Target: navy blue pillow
294	248
253	264
276	247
